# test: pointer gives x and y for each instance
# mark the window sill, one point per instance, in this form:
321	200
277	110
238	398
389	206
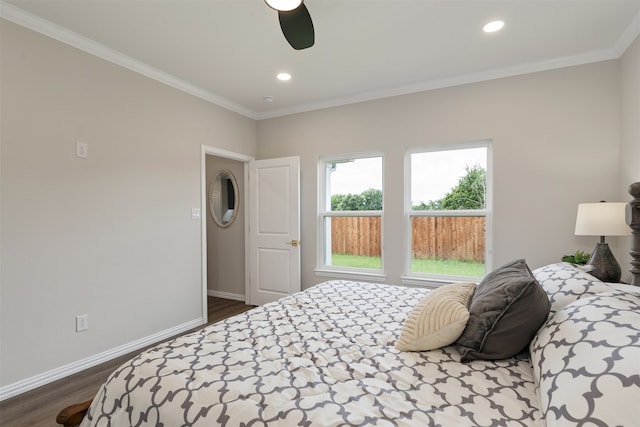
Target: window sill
436	281
351	275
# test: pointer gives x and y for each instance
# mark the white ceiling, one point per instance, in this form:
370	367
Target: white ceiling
229	51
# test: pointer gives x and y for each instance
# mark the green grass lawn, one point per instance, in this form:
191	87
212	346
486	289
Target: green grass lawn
342	260
435	266
448	266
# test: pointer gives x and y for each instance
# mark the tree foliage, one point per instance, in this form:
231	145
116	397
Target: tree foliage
368	200
469	193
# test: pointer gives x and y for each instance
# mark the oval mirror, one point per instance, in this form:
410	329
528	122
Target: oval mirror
223	198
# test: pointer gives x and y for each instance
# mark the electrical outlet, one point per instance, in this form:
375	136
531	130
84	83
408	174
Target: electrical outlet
195	213
82	322
82	150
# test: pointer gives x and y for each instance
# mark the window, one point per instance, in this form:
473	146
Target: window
448	210
351	214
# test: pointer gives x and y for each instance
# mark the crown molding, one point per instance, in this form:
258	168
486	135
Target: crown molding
630	34
597	56
47	28
25	19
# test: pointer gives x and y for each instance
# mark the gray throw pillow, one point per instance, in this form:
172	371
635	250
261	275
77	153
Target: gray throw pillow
506	311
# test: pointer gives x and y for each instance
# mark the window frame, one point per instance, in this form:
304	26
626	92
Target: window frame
324	212
433	279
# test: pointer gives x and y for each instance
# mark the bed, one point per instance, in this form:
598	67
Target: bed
551	346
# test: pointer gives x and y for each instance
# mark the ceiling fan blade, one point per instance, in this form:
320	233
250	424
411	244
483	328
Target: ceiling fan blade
297	27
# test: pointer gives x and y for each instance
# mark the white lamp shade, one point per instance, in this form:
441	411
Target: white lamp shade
283	5
601	219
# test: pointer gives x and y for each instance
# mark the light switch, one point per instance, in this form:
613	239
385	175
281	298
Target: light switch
82	322
195	213
82	150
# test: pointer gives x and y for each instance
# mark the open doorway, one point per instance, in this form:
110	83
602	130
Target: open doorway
225	228
224	209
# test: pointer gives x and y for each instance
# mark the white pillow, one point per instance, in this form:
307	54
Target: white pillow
438	319
564	284
586	362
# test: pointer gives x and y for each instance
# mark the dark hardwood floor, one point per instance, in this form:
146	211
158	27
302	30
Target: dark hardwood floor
39	407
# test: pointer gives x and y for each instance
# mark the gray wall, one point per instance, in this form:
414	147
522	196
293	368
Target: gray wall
629	137
225	246
110	236
556	143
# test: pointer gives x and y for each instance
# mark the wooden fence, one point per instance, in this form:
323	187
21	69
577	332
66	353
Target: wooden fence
459	238
356	235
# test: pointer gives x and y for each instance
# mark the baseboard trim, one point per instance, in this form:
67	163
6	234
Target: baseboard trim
225	295
28	384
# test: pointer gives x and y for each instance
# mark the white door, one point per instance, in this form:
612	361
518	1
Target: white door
274	229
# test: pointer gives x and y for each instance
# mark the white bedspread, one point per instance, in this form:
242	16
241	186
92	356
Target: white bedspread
322	357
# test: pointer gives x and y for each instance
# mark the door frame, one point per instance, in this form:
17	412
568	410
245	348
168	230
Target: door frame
219	152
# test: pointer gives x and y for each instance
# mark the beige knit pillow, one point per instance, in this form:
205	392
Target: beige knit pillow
438	319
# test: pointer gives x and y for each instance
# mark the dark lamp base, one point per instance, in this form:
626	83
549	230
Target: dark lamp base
605	266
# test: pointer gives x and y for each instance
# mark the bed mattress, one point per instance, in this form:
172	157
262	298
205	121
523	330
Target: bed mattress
321	357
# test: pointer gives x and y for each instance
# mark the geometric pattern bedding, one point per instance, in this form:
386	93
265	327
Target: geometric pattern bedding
601	333
321	357
564	284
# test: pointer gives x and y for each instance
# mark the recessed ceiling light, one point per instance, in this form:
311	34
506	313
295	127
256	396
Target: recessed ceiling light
493	26
284	76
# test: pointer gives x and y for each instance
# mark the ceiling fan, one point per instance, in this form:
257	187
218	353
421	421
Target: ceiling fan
295	22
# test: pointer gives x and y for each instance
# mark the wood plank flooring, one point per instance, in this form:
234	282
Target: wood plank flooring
39	407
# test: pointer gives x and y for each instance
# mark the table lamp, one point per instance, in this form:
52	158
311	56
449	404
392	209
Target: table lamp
602	219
